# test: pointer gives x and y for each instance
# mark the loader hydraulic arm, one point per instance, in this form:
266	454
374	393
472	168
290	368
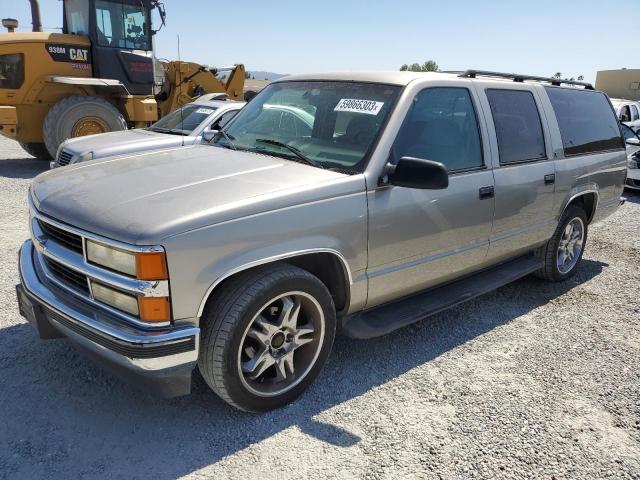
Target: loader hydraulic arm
185	81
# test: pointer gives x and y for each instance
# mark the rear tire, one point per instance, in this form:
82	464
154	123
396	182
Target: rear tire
77	116
38	150
265	337
563	252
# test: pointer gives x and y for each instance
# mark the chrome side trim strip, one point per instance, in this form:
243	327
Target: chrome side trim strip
422	260
275	258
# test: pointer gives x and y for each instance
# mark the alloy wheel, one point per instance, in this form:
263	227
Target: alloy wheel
281	344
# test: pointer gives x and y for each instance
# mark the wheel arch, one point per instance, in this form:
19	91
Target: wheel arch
328	265
587	199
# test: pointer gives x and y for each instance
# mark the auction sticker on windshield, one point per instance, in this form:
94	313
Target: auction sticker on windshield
205	111
370	107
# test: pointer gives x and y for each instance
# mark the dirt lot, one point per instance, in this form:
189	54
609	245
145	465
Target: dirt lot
532	381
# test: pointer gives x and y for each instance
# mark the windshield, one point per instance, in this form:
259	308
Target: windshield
184	120
122	25
326	124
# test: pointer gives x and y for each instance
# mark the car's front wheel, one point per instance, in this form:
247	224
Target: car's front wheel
266	336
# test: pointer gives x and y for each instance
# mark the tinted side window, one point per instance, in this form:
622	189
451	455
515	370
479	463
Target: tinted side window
587	122
627	133
634	113
625	114
442	126
518	125
12	70
225	118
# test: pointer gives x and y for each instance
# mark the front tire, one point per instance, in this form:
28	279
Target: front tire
77	116
563	252
266	336
38	150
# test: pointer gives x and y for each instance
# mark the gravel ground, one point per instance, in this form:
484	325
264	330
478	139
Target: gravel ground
534	380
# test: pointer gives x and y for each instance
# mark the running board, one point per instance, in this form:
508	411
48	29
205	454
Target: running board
389	317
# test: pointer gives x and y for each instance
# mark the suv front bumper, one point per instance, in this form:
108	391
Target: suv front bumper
157	360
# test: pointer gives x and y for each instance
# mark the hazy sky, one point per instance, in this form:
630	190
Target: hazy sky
297	36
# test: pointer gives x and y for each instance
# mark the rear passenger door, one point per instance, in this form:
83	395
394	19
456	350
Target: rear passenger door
523	168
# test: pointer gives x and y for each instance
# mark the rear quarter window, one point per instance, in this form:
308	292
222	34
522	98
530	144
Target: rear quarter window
587	122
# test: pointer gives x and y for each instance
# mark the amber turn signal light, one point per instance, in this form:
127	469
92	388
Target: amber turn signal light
154	309
151	266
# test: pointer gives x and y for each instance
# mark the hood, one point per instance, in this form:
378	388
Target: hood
145	198
124	142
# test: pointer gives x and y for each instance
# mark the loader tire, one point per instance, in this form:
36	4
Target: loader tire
38	150
77	116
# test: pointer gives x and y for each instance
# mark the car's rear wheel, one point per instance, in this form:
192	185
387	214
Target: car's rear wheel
266	336
563	252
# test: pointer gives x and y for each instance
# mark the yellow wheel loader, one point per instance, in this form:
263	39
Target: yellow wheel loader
98	75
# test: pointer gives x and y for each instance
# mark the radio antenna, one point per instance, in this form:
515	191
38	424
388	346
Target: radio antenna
179	86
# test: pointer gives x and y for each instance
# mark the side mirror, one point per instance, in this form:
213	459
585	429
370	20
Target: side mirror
209	135
417	173
634	142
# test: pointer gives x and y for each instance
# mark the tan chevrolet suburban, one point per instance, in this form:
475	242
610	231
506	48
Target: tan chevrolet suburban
380	199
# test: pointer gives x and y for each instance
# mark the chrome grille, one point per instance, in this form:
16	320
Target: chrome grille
66	275
63	237
64	157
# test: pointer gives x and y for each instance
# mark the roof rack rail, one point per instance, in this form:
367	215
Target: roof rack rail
521	78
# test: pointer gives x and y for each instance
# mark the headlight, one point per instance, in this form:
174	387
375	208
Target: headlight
82	158
148	309
115	298
141	265
634	163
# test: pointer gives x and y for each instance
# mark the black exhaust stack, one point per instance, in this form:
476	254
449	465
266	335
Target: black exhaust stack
35	16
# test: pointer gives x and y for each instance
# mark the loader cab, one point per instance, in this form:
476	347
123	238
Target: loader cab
121	39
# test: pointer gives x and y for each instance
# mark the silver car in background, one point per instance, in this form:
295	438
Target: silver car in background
186	126
632	141
628	112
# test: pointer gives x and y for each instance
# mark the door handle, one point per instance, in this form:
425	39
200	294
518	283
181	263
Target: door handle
486	192
550	179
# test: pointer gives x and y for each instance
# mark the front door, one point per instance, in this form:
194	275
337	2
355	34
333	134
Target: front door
419	238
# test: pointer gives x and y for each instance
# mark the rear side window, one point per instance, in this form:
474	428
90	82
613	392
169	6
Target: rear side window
587	122
625	114
634	113
12	70
518	125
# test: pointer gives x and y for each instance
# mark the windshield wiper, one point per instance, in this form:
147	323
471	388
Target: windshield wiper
294	150
176	131
170	131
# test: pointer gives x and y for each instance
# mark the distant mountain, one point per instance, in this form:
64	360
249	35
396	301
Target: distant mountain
260	75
